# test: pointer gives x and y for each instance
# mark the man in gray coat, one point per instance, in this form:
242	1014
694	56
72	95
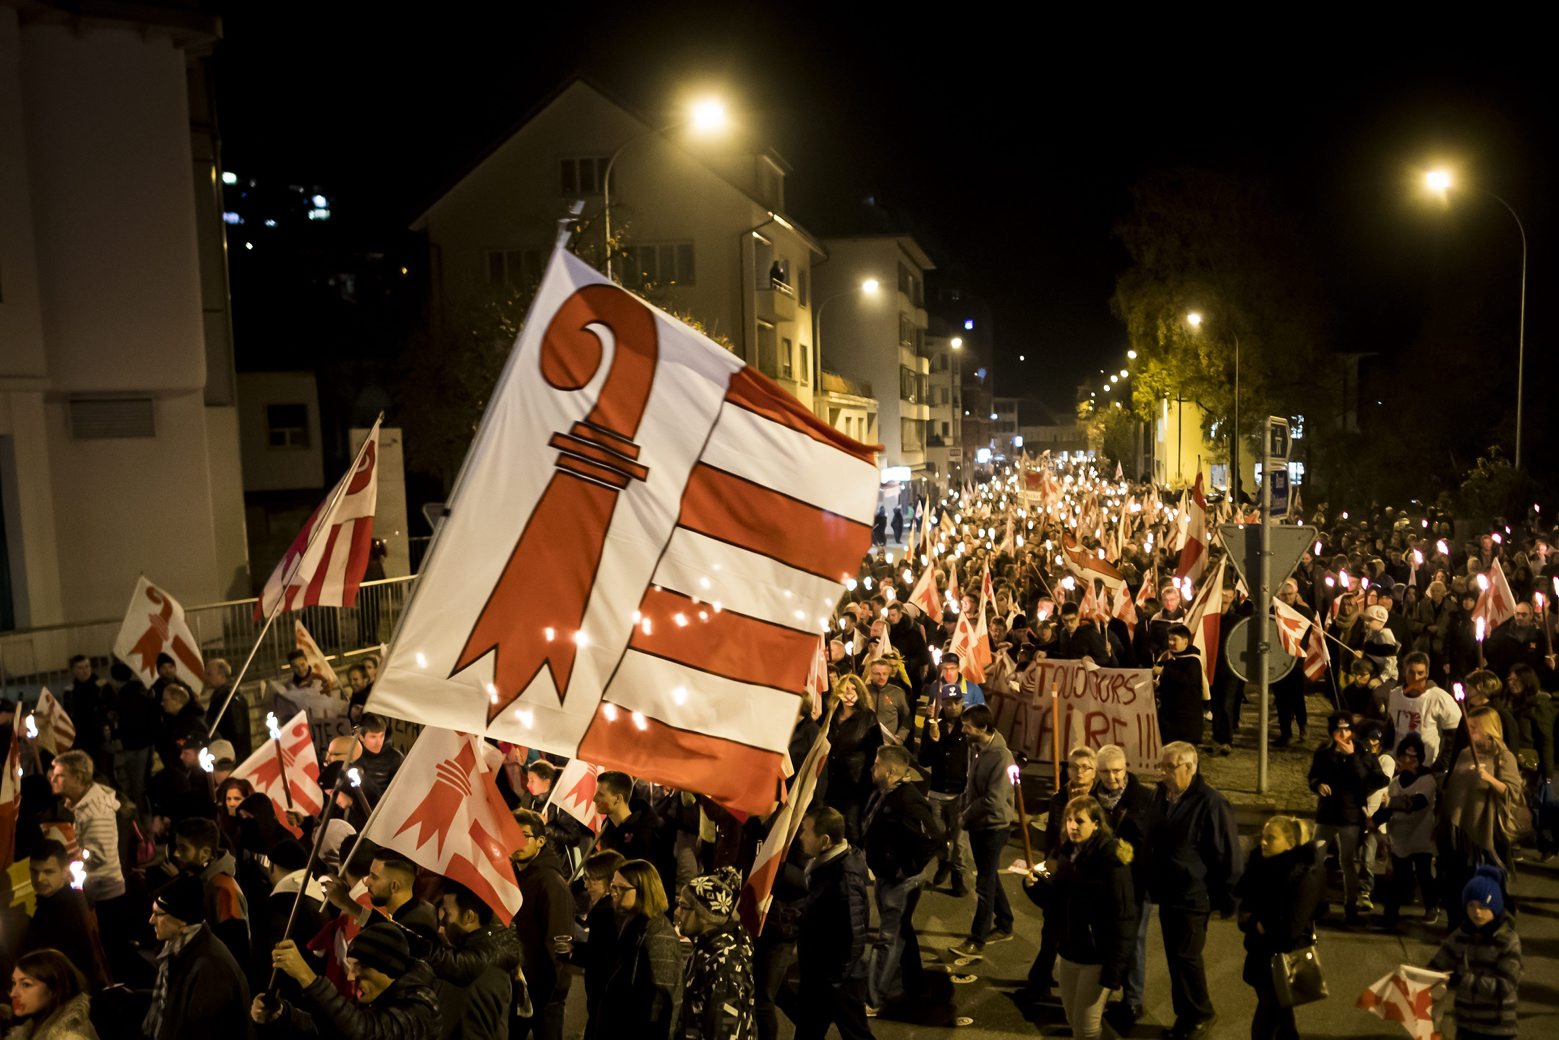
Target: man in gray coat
988	815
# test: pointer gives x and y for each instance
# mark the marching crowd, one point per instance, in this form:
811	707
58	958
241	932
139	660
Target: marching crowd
172	900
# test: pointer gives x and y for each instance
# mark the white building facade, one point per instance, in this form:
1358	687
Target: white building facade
119	448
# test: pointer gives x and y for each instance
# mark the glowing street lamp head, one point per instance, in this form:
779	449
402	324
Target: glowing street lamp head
870	286
1131	354
1194	319
1438	180
957	342
710	116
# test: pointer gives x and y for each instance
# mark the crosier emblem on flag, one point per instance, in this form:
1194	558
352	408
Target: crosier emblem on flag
1408	996
298	763
325	563
665	569
574	793
443	811
56	731
154	625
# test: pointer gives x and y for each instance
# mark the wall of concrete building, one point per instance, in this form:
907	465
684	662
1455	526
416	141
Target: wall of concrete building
102	303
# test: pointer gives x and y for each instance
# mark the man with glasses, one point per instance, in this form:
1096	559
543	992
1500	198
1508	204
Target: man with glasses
1344	778
1193	861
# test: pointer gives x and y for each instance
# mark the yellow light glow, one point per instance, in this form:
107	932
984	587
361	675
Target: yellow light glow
710	116
1438	180
870	286
957	342
1194	319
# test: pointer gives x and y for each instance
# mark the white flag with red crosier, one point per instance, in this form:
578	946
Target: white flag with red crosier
927	596
56	730
154	624
1496	603
965	644
443	811
325	563
574	793
1292	627
285	768
1193	555
647	538
1410	996
757	893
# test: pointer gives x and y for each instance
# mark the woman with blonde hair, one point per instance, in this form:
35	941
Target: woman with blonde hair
854	737
1482	797
642	990
49	999
1279	893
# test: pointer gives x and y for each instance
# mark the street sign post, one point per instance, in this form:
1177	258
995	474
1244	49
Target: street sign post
1243	664
1274	469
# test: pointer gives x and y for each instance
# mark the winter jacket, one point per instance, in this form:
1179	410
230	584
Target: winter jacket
835	917
901	833
546	910
643	985
1535	729
408	1010
1278	899
1193	849
1485	967
854	743
1092	894
1350	777
717	987
988	799
207	992
946	759
71	1021
66	923
1181	685
474	981
96	817
893	712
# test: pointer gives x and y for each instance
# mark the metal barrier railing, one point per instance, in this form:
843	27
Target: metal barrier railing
33	658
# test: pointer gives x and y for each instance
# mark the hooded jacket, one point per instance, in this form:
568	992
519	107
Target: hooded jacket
474	980
988	798
546	910
96	817
1280	894
1091	891
408	1010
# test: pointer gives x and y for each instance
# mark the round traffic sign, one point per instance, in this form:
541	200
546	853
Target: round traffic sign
1245	662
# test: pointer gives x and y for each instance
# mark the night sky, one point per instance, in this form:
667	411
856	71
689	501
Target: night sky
1008	146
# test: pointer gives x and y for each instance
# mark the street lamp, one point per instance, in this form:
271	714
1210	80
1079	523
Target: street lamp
705	117
1440	182
957	342
1195	320
868	287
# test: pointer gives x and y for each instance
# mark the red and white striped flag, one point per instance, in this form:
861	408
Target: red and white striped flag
673	531
154	624
443	811
574	793
1316	661
1193	554
965	644
1202	620
56	731
982	635
324	565
1149	589
757	893
286	768
817	677
10	799
1410	996
1088	567
1292	627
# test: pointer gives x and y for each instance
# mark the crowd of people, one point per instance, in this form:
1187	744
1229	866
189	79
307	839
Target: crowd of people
172	900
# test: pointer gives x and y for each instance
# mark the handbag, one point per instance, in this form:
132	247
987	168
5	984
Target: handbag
1297	977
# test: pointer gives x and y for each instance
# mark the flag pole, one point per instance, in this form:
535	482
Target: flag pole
336	494
281	760
308	869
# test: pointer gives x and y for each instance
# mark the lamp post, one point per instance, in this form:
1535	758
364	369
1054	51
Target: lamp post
1441	182
1195	319
868	287
708	116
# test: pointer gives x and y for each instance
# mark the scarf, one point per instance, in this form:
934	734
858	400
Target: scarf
152	1026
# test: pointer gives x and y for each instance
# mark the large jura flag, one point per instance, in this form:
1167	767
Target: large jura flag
154	624
647	539
325	563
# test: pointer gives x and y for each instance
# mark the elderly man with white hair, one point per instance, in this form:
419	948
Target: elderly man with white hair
1126	800
1194	861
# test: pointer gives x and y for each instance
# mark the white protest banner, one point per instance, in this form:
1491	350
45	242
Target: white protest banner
1098	706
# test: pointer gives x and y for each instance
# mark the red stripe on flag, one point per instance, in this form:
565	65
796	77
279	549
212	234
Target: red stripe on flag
755	392
357	561
741	513
735	775
731	645
317	580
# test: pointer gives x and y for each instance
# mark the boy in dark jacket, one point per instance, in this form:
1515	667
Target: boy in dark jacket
902	834
1344	776
831	944
1484	959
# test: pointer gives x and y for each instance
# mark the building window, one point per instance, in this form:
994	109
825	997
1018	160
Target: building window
909	435
787	359
945	431
906	331
768	350
803	287
583	175
806	364
287	425
515	268
659	266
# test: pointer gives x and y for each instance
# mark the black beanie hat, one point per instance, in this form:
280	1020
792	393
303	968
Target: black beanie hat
288	855
184	898
383	947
